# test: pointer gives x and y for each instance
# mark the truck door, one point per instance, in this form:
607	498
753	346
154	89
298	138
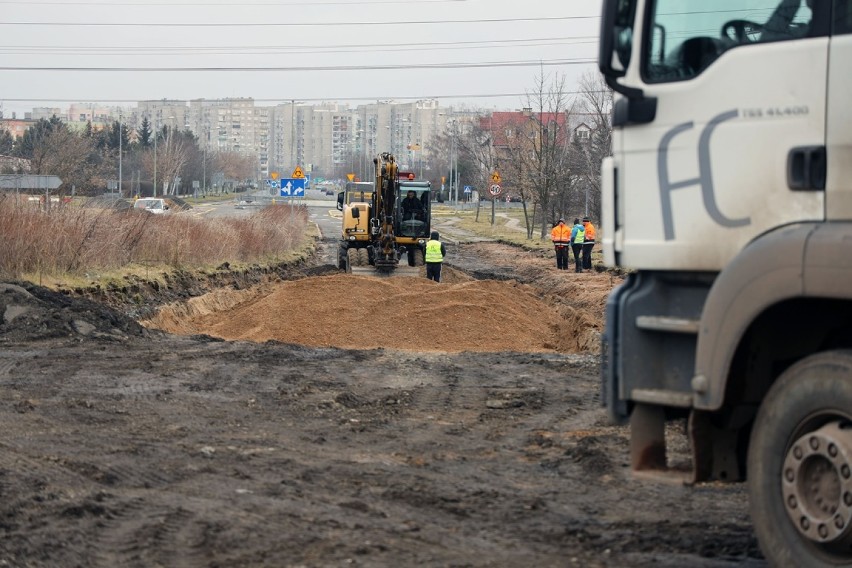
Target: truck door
839	135
740	89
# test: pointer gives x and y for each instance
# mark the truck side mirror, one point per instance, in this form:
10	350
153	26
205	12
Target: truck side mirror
616	37
340	201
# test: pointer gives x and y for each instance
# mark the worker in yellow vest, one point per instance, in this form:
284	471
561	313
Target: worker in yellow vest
435	254
578	238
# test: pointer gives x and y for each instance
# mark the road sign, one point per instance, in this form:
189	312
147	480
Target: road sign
292	187
468	189
495	189
273	175
495	177
298	173
350	177
273	183
15	181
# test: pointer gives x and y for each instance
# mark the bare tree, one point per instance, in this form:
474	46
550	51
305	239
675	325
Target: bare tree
596	103
234	165
172	156
477	150
538	152
58	151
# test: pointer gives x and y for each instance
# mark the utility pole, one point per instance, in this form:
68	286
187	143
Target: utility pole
119	153
156	135
204	160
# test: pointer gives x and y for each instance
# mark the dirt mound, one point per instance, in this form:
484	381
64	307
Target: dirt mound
30	312
362	312
577	299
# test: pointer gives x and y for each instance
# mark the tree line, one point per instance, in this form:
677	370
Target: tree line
543	162
87	160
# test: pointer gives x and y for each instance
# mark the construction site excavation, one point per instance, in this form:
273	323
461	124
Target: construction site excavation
312	417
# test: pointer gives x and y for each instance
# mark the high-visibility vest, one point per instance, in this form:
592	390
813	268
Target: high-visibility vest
590	231
433	252
580	237
560	234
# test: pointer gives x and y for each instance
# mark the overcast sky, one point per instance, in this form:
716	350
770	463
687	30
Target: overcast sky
312	51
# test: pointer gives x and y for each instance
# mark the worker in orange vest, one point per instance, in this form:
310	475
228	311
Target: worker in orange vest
588	243
561	237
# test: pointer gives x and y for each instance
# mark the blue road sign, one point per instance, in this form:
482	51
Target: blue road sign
467	189
292	187
273	183
308	180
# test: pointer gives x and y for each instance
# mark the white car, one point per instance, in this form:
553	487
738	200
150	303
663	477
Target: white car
152	205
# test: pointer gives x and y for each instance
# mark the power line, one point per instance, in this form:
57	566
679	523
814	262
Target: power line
285	47
293	24
260	50
307	99
227	4
493	64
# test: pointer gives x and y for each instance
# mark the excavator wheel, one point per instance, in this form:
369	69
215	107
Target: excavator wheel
342	260
352	257
418	257
363	257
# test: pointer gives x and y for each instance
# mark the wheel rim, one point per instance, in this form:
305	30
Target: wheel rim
817	485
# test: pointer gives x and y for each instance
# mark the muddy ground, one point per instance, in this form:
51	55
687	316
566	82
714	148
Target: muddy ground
123	445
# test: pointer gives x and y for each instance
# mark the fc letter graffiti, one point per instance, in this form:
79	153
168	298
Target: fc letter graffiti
704	179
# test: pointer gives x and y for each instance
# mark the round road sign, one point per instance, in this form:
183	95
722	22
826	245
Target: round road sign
495	189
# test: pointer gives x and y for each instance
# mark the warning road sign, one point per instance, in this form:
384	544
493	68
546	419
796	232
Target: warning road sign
495	177
298	173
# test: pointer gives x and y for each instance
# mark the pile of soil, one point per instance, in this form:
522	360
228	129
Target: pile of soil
519	303
30	312
363	312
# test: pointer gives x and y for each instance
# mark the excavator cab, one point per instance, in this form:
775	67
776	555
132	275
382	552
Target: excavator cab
414	213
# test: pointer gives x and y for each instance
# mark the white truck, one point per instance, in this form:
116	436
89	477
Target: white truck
729	198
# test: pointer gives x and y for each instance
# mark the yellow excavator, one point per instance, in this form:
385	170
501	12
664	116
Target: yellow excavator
385	224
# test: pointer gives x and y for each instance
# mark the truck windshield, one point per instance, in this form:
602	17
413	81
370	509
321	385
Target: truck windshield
688	36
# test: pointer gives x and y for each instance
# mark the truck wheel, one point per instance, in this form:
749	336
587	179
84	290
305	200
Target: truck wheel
800	465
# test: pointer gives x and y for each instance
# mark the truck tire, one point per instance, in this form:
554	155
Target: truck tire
800	464
364	257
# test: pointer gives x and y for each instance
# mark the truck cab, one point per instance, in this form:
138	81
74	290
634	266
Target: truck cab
728	199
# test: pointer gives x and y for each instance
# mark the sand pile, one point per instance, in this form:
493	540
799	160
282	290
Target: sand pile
363	312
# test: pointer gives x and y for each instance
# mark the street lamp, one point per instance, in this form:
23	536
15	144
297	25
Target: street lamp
119	153
359	147
454	164
204	160
156	135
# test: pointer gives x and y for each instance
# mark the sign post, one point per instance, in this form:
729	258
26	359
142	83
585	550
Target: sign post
494	190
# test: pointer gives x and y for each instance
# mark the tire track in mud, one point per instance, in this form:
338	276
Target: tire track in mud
143	532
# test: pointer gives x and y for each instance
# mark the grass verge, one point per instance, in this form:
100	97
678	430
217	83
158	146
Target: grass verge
70	246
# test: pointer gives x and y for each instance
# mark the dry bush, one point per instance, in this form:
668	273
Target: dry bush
74	241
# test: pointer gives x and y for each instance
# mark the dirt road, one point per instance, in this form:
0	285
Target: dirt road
127	446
